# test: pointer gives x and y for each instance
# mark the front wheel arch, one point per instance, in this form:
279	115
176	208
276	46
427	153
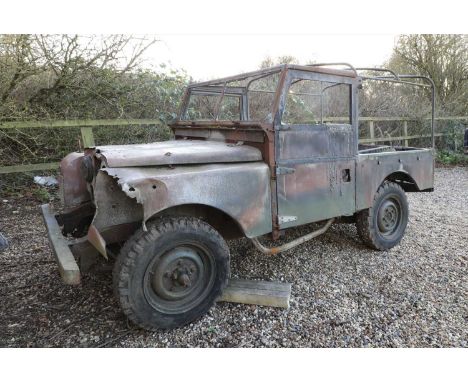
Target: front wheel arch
226	225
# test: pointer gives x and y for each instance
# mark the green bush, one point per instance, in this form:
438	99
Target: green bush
451	158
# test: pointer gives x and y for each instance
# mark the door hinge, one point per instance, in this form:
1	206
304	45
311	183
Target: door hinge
284	170
286	219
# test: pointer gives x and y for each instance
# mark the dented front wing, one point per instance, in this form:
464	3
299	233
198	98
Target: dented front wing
136	194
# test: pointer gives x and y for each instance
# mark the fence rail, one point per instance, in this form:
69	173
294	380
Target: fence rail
86	127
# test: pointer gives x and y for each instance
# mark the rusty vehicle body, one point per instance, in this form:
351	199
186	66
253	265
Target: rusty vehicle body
242	173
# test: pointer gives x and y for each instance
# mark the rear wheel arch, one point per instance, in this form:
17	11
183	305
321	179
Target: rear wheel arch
404	180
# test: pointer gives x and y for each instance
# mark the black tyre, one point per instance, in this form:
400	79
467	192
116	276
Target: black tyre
383	225
171	274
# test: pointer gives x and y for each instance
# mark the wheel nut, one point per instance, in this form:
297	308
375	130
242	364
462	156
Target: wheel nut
184	280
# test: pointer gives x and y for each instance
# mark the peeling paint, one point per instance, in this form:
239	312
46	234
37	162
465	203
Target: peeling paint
241	190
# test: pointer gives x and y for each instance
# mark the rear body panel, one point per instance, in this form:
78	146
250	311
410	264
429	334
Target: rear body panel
373	169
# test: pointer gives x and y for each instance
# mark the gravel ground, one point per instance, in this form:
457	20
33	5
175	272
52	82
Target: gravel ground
343	294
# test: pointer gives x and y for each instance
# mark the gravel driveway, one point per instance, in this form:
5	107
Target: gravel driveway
343	294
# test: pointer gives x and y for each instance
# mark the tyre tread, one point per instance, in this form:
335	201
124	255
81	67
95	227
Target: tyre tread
364	220
134	247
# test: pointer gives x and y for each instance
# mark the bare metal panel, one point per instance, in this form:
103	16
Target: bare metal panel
316	191
176	152
322	185
113	206
317	141
301	142
373	169
241	190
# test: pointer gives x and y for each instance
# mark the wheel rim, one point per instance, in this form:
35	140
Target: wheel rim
389	216
179	279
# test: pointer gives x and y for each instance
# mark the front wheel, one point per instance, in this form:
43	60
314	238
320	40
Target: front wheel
171	274
383	225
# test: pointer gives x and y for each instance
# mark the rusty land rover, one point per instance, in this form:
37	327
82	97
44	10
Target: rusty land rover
252	154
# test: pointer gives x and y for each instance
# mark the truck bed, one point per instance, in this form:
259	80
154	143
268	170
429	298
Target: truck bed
371	149
377	163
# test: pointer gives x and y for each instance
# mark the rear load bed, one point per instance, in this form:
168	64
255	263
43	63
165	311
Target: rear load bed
372	168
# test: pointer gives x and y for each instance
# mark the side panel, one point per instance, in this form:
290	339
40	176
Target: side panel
372	169
322	158
241	190
323	182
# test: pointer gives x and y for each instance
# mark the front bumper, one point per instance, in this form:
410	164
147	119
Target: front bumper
61	247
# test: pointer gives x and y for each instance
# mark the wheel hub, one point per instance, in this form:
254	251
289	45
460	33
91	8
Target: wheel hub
388	216
177	274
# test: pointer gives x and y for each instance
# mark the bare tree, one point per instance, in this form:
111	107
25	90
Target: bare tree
56	62
18	61
70	57
442	57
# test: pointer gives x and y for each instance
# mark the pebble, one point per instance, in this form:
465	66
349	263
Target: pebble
343	293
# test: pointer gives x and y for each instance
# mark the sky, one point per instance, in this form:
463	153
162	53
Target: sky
207	56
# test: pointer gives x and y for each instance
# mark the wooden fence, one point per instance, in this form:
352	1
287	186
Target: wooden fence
86	127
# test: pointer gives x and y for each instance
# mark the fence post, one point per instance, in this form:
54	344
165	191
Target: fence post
87	137
405	132
371	131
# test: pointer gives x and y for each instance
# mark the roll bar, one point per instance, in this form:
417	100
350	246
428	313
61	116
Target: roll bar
381	70
350	67
399	78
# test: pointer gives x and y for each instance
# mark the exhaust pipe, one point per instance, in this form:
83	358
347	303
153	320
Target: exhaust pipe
291	244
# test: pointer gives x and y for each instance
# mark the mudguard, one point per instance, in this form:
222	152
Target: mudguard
241	190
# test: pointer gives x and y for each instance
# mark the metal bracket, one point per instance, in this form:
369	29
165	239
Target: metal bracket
286	219
285	170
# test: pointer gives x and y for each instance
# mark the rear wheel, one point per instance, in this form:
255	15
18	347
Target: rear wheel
383	225
172	274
